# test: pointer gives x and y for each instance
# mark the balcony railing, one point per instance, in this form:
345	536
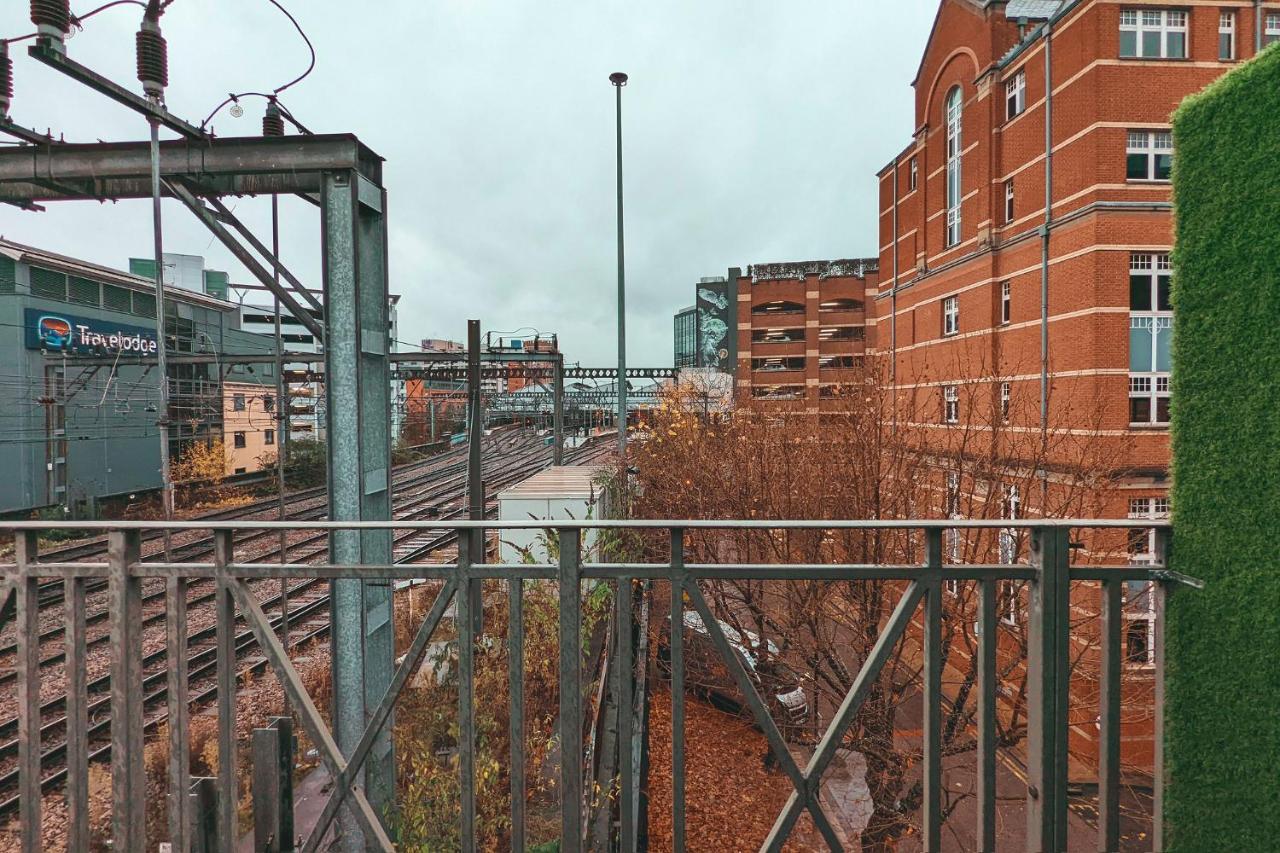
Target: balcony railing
30	583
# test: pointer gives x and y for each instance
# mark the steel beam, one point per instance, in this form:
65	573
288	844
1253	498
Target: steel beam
58	59
225	214
196	206
238	165
358	391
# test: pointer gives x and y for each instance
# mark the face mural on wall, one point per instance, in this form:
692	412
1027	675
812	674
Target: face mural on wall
713	327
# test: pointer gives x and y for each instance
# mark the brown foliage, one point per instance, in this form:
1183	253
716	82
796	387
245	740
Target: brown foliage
870	454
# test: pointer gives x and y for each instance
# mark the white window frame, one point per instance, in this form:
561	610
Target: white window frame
1153	385
1006	303
1015	96
1006	397
950	316
951	404
1150	144
953	533
955	147
1271	30
1008	201
915	174
1227	27
1163	22
1010	598
1142	610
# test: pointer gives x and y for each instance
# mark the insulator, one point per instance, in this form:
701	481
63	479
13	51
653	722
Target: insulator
6	79
49	15
272	121
153	58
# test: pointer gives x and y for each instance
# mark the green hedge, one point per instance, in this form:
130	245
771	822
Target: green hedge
1223	700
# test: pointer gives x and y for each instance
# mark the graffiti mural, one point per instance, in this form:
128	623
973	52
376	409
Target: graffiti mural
716	343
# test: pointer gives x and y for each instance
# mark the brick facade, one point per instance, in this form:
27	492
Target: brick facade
1105	220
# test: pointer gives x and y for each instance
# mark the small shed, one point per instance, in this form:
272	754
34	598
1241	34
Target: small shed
563	492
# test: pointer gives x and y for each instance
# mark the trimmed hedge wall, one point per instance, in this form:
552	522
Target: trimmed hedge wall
1223	699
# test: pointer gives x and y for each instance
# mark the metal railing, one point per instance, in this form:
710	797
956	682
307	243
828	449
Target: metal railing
1048	574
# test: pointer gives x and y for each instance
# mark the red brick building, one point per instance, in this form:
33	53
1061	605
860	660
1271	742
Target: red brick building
801	329
998	317
966	248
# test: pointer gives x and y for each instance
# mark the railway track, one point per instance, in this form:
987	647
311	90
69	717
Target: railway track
435	488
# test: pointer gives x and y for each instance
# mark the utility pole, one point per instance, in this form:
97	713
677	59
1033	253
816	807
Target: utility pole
475	481
618	79
273	125
153	74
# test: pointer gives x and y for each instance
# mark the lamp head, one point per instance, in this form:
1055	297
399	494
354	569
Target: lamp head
617	78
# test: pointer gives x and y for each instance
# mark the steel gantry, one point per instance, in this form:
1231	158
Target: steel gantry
344	178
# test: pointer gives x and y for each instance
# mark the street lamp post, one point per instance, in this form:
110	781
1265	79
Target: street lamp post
618	79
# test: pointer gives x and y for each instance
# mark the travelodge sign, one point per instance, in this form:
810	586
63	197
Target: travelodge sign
58	332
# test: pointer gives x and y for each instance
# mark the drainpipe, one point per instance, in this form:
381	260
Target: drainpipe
1044	260
893	305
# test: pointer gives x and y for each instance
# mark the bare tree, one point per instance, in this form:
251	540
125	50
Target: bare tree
873	452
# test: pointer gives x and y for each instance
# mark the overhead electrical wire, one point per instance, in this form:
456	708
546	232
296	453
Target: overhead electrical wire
275	93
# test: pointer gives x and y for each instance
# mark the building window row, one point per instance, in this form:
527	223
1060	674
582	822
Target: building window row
1162	33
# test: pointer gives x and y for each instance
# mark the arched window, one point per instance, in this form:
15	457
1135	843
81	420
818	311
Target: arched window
954	147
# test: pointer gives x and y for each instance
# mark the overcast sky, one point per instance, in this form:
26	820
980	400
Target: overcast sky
752	133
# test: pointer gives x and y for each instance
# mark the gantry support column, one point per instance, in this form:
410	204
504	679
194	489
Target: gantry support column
359	442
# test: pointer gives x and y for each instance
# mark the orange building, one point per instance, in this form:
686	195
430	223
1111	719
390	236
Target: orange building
249	424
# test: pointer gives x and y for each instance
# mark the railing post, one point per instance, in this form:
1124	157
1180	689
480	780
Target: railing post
466	620
1047	683
677	690
558	414
626	701
570	692
1109	720
515	676
27	666
203	801
932	694
987	644
178	708
225	610
127	776
1160	590
273	786
77	718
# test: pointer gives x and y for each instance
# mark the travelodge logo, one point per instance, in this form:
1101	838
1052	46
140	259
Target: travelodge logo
54	332
65	333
